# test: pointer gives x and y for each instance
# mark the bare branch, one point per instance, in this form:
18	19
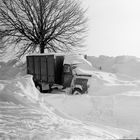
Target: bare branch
56	25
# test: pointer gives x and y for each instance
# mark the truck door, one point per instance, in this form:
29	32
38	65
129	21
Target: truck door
59	69
67	75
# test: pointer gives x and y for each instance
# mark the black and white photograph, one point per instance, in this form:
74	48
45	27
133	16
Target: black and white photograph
69	69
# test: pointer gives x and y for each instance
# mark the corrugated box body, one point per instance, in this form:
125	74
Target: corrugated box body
45	68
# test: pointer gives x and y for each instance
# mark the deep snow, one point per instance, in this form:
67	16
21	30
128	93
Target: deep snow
113	97
109	110
25	115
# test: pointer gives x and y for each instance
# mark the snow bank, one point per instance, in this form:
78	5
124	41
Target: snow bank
103	83
19	91
126	65
12	69
115	101
24	115
111	101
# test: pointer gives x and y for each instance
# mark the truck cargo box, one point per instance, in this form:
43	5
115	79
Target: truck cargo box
45	68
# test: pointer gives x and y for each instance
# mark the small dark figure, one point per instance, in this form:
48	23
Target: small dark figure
100	68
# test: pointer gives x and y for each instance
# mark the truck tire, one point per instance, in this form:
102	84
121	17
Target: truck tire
76	91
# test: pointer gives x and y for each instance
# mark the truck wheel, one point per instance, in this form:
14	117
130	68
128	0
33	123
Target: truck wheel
77	91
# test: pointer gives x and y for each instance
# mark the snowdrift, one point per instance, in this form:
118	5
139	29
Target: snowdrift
19	91
24	116
110	101
105	84
12	69
128	66
115	101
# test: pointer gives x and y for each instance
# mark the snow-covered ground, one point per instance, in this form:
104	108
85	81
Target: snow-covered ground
110	110
24	115
110	102
128	66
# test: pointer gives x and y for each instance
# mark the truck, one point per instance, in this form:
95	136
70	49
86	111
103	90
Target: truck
57	71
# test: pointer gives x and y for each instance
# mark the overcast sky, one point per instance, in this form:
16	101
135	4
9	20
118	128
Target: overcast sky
114	27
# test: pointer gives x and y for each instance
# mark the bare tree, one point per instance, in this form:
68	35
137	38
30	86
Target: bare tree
55	25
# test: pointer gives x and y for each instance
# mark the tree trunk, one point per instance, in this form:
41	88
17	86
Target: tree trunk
42	48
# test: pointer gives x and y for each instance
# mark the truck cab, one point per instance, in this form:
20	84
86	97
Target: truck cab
76	72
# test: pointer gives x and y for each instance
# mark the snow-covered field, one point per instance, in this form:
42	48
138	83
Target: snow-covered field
24	115
110	110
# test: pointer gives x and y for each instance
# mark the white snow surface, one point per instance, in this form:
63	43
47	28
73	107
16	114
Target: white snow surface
25	115
110	110
128	66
